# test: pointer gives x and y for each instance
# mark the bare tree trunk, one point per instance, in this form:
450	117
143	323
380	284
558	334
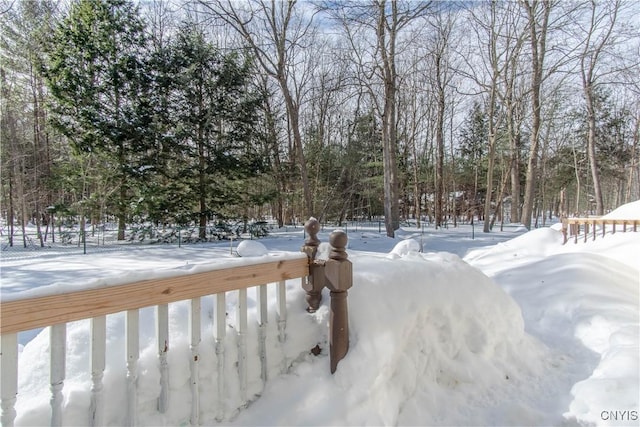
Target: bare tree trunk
389	142
202	187
493	93
588	63
578	181
440	190
281	182
490	166
538	36
9	150
634	166
444	24
416	185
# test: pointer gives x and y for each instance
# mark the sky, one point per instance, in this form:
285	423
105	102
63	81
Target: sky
505	328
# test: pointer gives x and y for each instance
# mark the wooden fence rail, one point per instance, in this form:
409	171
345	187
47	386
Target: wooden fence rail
576	226
56	310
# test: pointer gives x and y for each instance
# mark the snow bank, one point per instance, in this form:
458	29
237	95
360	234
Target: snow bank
628	211
433	341
592	306
582	299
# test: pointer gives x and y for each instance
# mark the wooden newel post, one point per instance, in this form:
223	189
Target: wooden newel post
314	283
339	278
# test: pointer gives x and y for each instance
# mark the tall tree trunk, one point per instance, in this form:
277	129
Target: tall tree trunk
588	69
490	166
591	151
439	210
492	109
576	170
416	184
538	35
293	111
202	188
389	137
634	163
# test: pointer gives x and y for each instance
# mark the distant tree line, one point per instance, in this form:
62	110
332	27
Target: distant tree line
175	112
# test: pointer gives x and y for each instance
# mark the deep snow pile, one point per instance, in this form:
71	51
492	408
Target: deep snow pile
525	332
582	299
433	341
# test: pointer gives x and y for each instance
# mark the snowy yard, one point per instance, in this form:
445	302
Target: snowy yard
507	328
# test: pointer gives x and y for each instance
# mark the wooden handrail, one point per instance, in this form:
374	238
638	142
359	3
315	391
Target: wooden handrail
600	220
30	313
571	226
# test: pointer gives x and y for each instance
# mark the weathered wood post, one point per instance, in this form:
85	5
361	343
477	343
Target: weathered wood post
565	226
336	273
339	278
314	283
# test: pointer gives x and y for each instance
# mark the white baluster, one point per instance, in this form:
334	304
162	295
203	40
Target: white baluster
195	334
133	354
221	328
281	318
241	329
281	314
9	380
58	340
98	350
261	299
162	333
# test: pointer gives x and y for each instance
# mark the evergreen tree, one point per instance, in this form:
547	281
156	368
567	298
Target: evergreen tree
97	77
216	115
472	163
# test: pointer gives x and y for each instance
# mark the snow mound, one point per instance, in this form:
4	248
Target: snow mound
248	248
600	324
405	247
428	333
535	244
448	333
627	211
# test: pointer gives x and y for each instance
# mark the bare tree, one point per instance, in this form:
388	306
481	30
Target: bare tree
600	33
440	53
489	27
387	20
276	32
26	143
415	124
538	12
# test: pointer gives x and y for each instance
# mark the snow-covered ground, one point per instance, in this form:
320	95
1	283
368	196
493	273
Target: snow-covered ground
505	328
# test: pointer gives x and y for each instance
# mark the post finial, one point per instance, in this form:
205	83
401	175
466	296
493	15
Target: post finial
312	227
338	240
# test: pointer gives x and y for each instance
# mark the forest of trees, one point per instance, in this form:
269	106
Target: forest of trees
187	112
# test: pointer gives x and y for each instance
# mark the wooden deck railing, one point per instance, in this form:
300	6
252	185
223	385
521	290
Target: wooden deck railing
95	304
576	226
56	310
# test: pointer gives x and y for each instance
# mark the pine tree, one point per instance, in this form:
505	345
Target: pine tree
96	75
473	137
215	112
